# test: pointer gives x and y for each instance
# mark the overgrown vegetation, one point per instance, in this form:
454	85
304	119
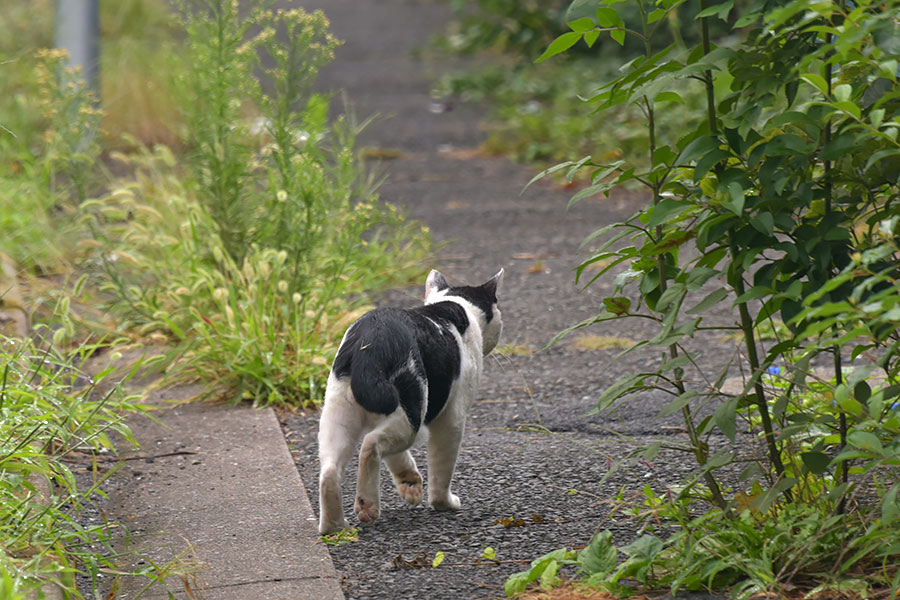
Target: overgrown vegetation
788	190
537	114
256	258
50	412
215	207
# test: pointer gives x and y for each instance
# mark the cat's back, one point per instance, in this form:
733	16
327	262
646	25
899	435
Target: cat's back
388	335
385	334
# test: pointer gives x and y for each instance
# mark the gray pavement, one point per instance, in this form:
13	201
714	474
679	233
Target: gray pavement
213	494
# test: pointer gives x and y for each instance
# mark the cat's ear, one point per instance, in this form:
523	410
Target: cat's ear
435	283
493	283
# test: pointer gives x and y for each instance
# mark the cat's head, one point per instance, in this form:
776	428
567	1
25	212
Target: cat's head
483	298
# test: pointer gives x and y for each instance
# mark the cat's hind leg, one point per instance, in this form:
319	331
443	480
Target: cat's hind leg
340	428
393	435
406	476
445	436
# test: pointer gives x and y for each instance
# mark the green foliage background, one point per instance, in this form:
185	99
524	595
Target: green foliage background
779	198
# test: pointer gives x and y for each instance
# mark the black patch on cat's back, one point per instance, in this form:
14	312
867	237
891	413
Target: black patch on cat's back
389	354
439	349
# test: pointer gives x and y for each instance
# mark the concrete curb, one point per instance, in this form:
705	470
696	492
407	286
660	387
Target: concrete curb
214	493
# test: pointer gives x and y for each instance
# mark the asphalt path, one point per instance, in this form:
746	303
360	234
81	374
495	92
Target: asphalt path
533	462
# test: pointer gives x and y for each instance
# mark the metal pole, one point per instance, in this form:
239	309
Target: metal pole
78	32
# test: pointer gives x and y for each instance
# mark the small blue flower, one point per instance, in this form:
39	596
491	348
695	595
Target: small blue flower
773	370
895	406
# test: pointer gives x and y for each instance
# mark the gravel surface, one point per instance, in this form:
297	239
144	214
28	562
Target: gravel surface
547	484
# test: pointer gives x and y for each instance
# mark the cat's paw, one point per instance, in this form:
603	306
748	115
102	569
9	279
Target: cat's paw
366	510
326	527
449	502
409	485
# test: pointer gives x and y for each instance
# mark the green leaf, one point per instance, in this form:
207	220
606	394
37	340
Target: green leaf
678	403
847	107
663	155
591	190
876	117
862	392
590	38
570	174
489	553
555	168
719	459
721	10
763	223
581	25
735	202
600	557
881	155
839	146
669	97
790	91
711	299
708	162
757	291
580	8
549	575
816	462
656	15
682	360
765	501
560	44
617	305
817	81
847	404
747	20
697	148
438	559
608	17
516	583
622	387
865	440
666	208
673	295
618	35
842	92
725	418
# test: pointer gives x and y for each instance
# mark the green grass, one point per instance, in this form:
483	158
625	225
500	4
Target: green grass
592	342
49	408
513	349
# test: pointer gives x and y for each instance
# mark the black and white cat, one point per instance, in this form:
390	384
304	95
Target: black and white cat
397	371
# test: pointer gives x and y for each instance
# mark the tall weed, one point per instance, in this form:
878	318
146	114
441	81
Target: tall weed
256	256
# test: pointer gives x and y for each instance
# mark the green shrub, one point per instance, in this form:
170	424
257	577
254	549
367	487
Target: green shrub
789	223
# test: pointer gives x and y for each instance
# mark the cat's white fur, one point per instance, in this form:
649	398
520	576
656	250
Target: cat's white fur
388	437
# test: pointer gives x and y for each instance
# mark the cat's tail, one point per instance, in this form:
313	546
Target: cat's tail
371	385
383	391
